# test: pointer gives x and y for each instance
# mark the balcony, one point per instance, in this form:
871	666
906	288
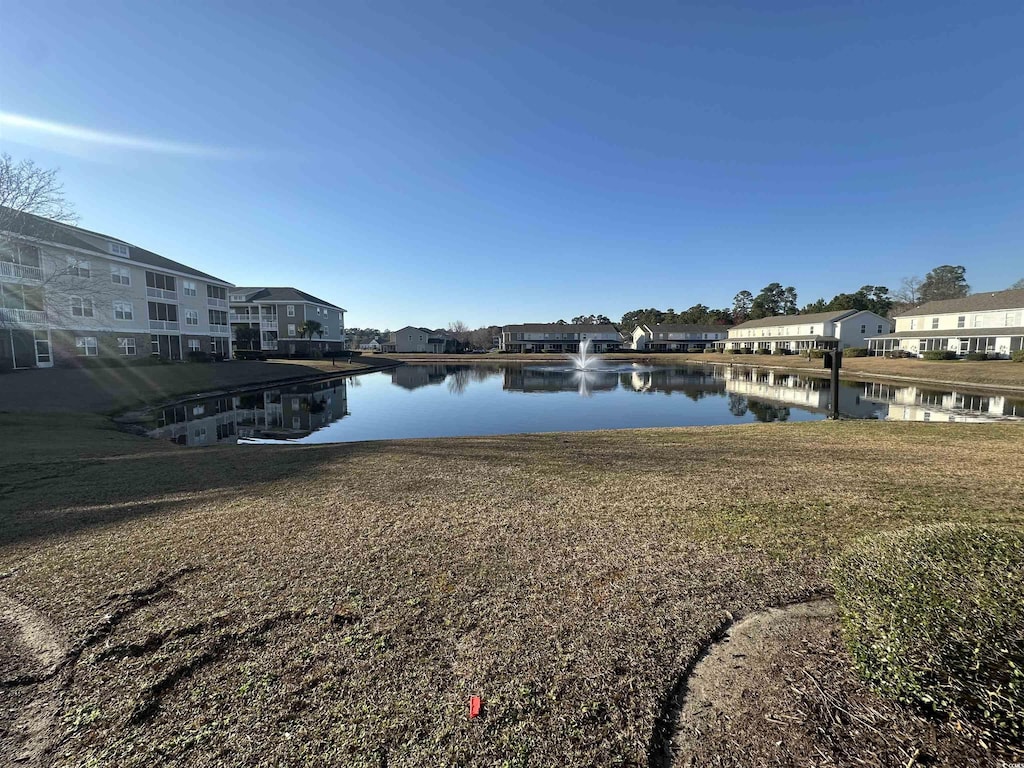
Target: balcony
269	346
268	325
212	302
22	316
9	269
162	325
219	329
160	293
238	317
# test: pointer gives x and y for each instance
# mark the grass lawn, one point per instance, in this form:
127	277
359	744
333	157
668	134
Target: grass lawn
339	604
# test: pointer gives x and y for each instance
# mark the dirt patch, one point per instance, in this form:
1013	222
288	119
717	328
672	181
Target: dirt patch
778	690
29	653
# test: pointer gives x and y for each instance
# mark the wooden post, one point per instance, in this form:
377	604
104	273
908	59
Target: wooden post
834	361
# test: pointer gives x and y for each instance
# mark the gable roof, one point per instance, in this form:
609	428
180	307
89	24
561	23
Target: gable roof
977	302
815	317
39	228
685	328
281	294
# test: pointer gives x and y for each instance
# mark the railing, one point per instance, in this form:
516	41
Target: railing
24	316
268	325
269	345
236	317
212	302
163	325
160	293
219	328
21	271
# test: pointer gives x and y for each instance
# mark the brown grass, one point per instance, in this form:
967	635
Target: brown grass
348	599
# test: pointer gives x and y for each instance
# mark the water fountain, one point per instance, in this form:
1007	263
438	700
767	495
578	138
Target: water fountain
584	359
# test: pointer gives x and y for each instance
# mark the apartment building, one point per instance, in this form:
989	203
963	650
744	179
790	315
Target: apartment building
820	330
558	337
984	322
667	337
278	314
68	293
414	340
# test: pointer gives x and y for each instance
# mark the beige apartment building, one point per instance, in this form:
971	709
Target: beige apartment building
992	323
668	337
795	333
68	293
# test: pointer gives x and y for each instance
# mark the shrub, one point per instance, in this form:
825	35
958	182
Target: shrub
1018	356
938	354
855	352
198	356
762	351
976	356
895	354
250	354
934	617
730	351
818	353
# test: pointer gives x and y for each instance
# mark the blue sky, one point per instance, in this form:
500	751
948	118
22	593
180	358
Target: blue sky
490	162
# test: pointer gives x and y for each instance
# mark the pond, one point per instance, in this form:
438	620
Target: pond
443	400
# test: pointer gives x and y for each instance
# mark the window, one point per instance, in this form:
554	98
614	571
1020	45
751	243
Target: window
162	282
218	317
87	346
123	310
979	321
234	296
81	307
935	323
79	268
126	345
193	345
120	275
913	324
166	312
119	249
291	329
291	310
879	329
1012	319
810	331
961	321
863	329
219	292
190	288
199	433
191	317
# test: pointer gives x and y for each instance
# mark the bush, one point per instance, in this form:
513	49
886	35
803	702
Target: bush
198	356
816	353
762	351
1018	356
976	356
896	354
938	354
934	617
730	351
855	352
250	354
781	351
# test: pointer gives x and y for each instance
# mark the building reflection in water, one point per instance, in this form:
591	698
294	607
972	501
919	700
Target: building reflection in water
909	403
281	413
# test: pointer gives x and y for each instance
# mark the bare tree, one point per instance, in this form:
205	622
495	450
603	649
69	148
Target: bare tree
63	289
909	291
459	330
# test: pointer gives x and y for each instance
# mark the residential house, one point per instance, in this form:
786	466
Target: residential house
558	337
69	293
279	314
412	340
370	346
983	322
820	330
667	337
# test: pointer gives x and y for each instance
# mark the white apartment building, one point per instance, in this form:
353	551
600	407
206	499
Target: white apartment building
667	337
821	330
558	337
278	315
984	322
67	293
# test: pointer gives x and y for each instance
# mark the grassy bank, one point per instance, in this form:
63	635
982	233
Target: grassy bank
338	604
990	374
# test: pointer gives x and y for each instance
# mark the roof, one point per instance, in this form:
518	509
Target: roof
677	328
768	339
560	328
281	294
37	227
976	302
952	333
815	317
